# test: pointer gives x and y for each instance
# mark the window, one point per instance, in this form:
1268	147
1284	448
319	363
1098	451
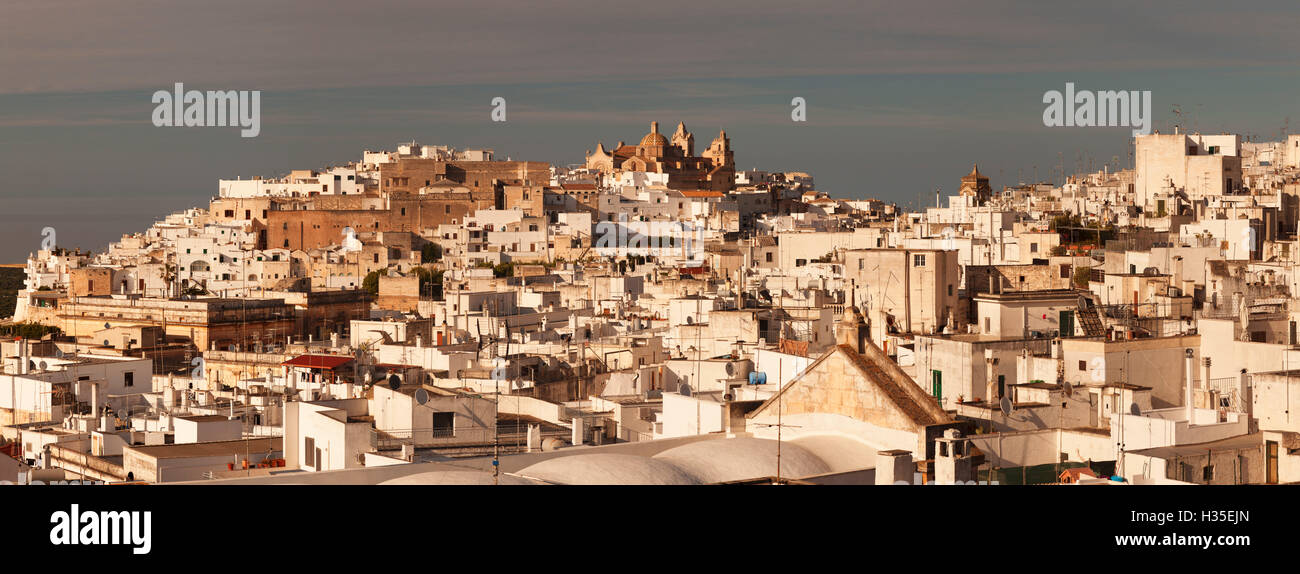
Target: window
768	256
800	262
444	424
1065	271
1033	248
918	261
1207	473
1083	365
862	264
950	290
130	378
309	451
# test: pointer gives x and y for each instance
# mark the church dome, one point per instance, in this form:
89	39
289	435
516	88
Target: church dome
654	138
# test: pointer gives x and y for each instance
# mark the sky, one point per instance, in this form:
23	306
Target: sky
902	98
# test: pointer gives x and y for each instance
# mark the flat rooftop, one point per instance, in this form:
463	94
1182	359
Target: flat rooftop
218	448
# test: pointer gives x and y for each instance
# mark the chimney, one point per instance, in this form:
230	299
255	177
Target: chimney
990	377
578	431
1205	381
952	461
852	330
1190	369
534	438
1248	397
894	467
94	400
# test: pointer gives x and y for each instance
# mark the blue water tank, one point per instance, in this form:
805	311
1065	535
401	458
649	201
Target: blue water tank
757	378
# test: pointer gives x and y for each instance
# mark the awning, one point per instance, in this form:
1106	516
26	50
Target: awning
328	362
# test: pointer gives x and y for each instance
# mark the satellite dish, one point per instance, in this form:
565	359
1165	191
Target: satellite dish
108	325
1006	406
44	366
106	343
731	369
368	377
1068	388
1135	410
421	396
684	390
394	382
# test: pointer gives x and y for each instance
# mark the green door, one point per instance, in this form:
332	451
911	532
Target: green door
1067	323
936	385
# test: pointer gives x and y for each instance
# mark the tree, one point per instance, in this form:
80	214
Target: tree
430	281
371	282
503	270
430	252
1081	275
28	330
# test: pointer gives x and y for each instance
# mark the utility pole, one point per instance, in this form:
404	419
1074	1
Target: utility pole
496	435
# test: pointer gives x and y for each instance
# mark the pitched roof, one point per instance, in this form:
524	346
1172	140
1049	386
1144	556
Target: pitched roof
897	389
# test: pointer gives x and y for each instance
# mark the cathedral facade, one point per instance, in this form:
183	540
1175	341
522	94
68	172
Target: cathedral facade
713	170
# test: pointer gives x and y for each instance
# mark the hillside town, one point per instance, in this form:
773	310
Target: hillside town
653	314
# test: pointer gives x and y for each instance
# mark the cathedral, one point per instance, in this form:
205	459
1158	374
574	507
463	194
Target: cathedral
712	170
976	185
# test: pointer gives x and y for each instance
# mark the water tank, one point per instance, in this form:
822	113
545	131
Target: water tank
757	378
553	443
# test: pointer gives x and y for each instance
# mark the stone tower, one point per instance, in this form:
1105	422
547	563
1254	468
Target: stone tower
976	185
684	141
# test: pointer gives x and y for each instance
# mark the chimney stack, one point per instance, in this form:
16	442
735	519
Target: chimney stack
894	467
1190	369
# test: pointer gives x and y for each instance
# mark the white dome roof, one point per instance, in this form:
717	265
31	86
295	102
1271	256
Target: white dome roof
711	461
607	468
454	477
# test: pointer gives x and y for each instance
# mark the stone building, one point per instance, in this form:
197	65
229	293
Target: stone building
712	170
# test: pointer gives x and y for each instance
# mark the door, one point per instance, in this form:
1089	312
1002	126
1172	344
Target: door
936	385
1092	410
1270	461
1067	323
1002	386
